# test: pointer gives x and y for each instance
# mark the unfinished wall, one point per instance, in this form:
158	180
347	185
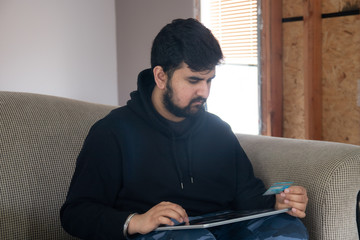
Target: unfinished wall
293	80
340	71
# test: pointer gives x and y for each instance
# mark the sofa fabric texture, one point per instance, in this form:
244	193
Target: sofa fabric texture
329	171
41	136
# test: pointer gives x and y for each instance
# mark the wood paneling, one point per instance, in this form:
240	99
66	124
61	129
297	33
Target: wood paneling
341	73
331	6
292	8
338	46
293	76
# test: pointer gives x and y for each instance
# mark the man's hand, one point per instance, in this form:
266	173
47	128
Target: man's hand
294	197
157	215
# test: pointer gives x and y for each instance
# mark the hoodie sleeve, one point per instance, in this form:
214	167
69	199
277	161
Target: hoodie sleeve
88	211
249	188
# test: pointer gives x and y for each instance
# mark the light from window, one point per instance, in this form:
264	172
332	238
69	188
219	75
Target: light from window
235	92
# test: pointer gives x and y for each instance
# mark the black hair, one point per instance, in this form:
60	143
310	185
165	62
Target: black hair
185	40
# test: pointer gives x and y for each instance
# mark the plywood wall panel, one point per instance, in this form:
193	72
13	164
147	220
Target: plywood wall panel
341	72
332	6
292	8
293	80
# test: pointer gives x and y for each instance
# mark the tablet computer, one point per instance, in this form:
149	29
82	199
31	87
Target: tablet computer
221	218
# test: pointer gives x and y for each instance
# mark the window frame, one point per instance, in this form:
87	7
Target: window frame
271	67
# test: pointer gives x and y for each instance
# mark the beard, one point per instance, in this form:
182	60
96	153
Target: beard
184	112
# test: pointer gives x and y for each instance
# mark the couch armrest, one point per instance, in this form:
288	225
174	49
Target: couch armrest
329	171
40	138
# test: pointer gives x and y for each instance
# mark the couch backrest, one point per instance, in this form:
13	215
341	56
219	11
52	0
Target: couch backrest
40	138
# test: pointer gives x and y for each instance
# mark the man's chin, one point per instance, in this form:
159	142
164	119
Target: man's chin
195	109
186	112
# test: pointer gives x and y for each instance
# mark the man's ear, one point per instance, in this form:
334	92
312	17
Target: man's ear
160	77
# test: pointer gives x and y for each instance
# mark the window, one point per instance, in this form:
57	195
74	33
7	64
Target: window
235	91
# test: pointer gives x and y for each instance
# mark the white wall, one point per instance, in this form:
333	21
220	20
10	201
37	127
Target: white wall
138	22
59	47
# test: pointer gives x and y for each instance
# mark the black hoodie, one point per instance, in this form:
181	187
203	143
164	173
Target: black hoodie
134	159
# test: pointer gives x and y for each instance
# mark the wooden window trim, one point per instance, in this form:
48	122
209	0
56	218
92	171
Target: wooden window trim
271	76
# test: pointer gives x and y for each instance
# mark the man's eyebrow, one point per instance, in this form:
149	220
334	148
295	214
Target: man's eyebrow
195	78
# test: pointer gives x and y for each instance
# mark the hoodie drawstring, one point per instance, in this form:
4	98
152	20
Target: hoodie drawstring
179	173
189	150
177	164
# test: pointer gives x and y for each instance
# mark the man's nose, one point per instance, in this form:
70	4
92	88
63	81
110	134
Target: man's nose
204	89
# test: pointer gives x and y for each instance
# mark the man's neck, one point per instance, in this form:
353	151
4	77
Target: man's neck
157	100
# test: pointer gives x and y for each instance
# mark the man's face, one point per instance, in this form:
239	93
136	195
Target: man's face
187	91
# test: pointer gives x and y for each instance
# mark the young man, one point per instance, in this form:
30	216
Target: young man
163	157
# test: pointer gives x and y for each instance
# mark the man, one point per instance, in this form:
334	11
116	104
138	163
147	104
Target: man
162	157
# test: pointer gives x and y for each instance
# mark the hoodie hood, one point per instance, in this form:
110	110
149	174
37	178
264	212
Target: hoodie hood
141	104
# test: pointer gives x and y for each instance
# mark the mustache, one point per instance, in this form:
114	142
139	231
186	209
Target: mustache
198	99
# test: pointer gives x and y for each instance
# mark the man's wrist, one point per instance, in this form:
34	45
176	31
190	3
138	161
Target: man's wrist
126	225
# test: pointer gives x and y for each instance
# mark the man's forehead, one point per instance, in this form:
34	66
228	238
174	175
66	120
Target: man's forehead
203	72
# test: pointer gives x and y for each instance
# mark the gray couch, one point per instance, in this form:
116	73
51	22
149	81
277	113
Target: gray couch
41	136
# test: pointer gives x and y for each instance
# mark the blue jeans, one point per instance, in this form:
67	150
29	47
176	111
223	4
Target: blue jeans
277	227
